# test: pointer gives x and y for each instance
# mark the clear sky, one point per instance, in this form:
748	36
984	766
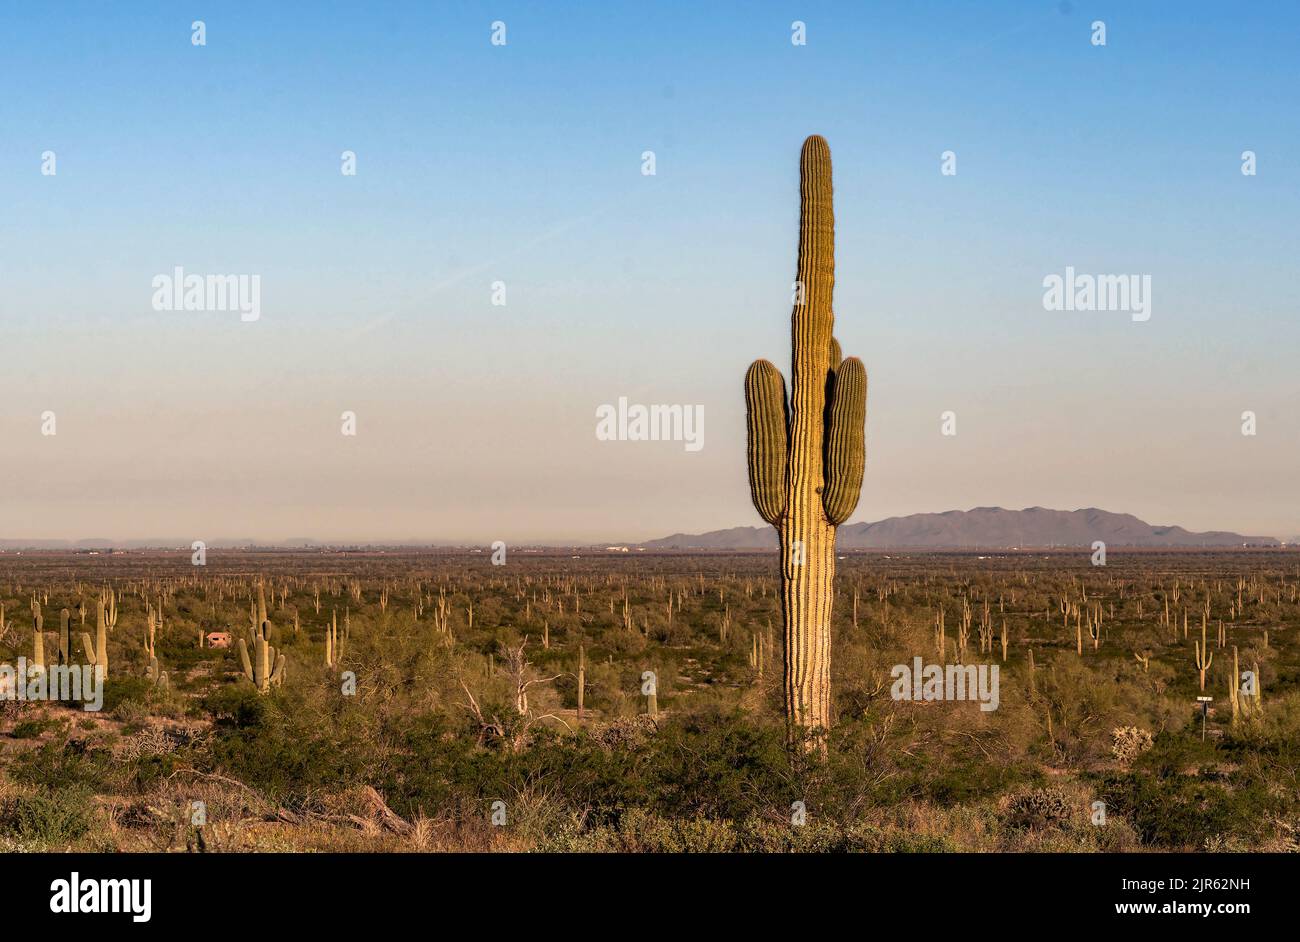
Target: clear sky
522	164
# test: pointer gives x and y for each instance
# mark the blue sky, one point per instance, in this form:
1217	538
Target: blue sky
521	163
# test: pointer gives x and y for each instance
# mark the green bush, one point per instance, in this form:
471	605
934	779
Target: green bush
52	819
70	764
1185	811
237	705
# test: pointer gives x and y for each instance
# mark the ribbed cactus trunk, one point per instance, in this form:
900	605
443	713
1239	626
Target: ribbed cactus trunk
65	637
97	652
806	594
806	457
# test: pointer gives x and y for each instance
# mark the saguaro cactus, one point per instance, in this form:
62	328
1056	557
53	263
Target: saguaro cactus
97	653
38	639
155	673
65	637
266	666
334	641
582	679
807	455
1204	656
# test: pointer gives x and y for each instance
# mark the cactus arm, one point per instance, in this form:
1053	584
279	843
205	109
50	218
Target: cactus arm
243	659
766	419
88	646
845	458
38	642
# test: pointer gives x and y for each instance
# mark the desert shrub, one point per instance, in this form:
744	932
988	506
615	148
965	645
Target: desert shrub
640	831
950	780
119	690
1186	811
131	712
33	729
814	836
51	818
237	705
291	753
70	764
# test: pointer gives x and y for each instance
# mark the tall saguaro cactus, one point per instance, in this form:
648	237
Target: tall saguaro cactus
97	652
807	454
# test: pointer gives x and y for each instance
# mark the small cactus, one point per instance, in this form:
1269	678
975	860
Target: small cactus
1129	742
108	598
334	642
1204	656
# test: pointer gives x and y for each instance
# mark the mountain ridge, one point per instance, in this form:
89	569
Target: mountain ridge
981	528
977	528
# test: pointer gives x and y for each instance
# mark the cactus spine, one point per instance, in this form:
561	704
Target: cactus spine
807	456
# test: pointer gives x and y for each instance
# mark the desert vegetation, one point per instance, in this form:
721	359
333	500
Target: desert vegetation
635	702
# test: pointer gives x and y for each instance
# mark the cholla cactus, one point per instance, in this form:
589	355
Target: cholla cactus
1129	742
806	456
1040	808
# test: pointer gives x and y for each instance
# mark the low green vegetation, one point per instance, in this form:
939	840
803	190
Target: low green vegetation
431	701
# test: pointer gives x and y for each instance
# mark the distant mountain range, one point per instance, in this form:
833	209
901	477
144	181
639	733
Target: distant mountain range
981	528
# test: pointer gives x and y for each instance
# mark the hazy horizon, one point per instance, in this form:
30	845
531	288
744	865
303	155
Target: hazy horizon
522	164
440	542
